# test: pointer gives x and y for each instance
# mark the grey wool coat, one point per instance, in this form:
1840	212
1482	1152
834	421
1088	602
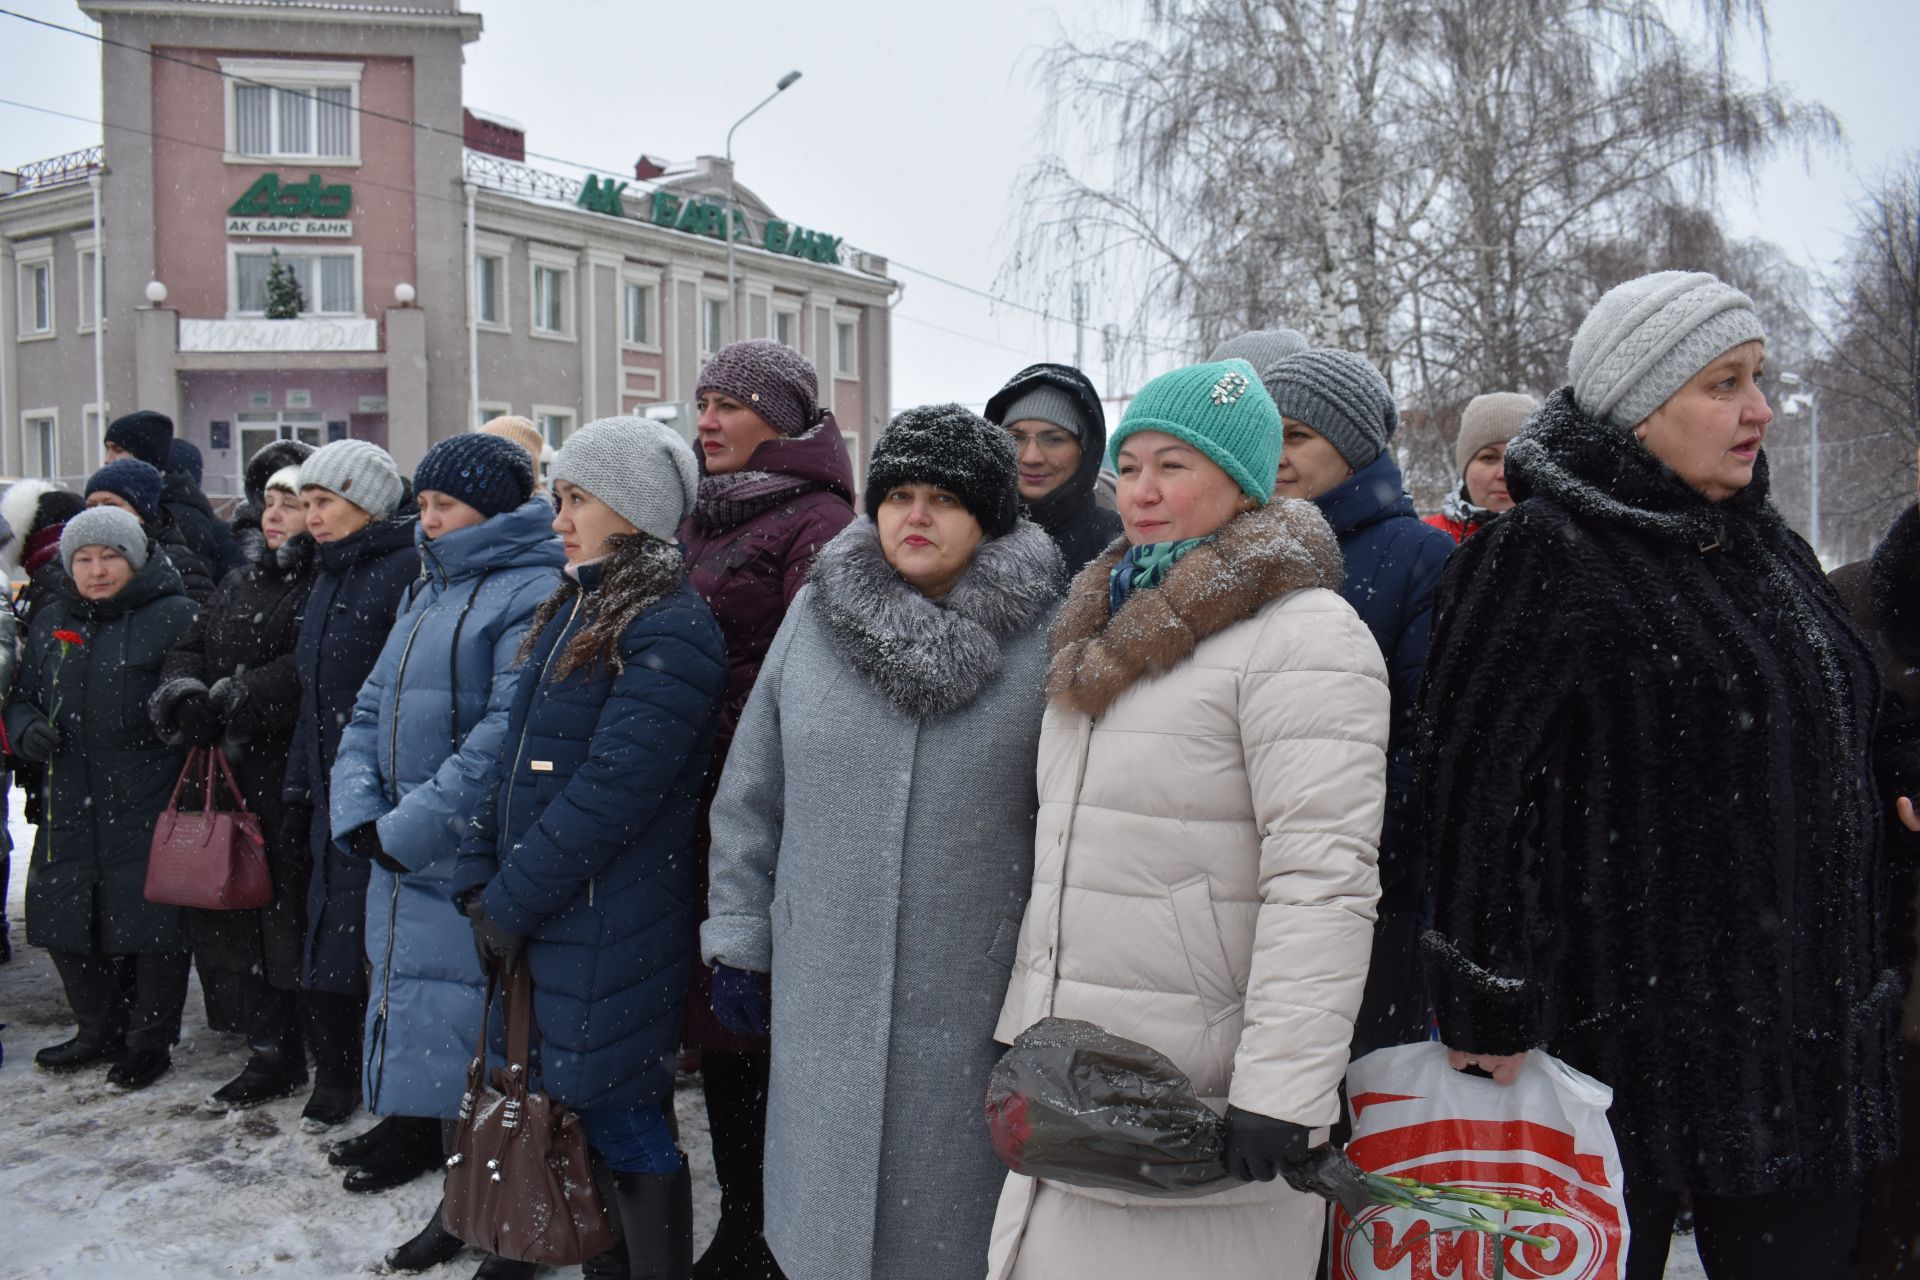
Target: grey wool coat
873	850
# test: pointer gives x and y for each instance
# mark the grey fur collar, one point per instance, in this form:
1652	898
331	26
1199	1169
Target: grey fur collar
930	657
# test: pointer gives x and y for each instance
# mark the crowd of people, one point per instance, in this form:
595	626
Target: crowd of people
828	793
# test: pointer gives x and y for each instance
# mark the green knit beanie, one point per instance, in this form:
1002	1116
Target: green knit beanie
1220	409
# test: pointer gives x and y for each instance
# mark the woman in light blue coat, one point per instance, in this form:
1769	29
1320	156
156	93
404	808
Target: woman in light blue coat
411	769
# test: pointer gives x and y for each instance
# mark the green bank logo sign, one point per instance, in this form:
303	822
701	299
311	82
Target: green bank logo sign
273	206
708	218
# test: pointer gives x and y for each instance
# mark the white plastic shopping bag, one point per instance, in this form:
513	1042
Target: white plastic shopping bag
1545	1137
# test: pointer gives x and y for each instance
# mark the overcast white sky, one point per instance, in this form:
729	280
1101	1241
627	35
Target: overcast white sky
912	122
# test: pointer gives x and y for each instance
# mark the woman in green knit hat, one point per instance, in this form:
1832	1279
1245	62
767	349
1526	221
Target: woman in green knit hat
1212	776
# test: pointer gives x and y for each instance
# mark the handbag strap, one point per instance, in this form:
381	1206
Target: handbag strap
486	1012
218	757
517	997
186	771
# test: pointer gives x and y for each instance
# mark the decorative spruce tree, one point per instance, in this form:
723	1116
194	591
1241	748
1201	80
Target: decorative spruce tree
284	301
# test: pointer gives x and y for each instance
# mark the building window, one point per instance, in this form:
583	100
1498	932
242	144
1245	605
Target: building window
329	280
89	292
555	424
36	296
786	328
486	411
41	435
636	315
552	300
286	110
713	325
846	347
490	289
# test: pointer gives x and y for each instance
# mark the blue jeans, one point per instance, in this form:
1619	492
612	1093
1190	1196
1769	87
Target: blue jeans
633	1139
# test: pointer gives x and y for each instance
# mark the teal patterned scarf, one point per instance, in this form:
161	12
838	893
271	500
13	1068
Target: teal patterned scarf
1146	566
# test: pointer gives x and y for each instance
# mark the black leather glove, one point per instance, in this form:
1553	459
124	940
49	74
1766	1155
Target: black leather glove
364	840
1259	1147
493	944
740	1001
37	742
195	719
228	696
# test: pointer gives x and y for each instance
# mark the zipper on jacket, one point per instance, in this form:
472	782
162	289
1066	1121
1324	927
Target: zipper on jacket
519	751
386	988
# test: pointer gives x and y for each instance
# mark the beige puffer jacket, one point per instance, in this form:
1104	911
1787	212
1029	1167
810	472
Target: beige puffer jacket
1212	778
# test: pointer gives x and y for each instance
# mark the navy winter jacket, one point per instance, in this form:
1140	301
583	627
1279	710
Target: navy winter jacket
585	845
1394	561
444	677
358	584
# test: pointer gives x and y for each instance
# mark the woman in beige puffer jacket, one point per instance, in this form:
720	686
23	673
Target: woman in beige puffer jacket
1212	781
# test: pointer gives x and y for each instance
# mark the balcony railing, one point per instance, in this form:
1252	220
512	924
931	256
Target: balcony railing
75	166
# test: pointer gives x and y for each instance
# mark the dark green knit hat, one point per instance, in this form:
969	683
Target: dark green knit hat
1220	409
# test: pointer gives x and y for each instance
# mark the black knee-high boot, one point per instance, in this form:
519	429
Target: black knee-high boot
433	1244
656	1222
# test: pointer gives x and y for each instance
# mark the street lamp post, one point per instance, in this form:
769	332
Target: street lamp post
1812	397
786	82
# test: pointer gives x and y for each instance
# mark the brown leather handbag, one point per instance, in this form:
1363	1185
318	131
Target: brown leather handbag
520	1181
214	859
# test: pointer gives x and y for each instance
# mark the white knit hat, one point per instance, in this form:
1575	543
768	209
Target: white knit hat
1645	338
286	479
641	468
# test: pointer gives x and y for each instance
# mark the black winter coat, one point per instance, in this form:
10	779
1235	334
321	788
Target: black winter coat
1654	832
198	577
111	777
356	591
1078	524
203	531
246	634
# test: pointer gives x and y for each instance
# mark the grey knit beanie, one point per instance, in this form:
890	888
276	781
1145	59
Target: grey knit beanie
1264	349
1493	418
1045	402
1645	338
362	473
104	527
639	467
1339	395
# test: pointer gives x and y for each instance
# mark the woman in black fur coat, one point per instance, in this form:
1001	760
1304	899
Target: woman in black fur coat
1656	837
232	681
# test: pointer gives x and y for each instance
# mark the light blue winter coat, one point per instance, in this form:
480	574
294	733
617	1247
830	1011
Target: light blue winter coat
397	767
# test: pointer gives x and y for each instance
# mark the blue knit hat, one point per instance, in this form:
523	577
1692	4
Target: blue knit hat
1222	410
133	480
491	474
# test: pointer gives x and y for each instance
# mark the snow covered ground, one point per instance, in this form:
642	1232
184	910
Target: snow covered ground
96	1185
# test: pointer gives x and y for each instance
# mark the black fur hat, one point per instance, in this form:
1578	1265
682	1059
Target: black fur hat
958	450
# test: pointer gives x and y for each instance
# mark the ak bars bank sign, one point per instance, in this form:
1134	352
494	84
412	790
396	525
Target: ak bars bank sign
706	218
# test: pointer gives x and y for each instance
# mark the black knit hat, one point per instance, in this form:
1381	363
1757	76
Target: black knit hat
958	450
491	474
145	434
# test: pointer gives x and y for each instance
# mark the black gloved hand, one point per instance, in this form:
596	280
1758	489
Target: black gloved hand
1328	1173
364	840
492	943
228	696
37	742
1259	1147
195	719
740	1001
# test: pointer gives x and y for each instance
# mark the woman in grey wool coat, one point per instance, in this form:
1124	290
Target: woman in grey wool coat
872	850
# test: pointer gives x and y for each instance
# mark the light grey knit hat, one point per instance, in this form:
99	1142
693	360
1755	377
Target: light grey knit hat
1493	418
1045	402
361	472
1339	395
1264	349
1645	338
105	526
639	467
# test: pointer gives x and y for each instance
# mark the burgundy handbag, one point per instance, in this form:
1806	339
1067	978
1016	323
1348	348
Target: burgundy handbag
214	859
520	1180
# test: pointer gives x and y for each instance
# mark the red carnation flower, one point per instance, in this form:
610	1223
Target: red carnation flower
69	637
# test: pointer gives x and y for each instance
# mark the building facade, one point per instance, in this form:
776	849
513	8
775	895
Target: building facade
441	280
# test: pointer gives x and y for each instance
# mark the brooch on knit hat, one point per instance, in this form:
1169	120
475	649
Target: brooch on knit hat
1232	385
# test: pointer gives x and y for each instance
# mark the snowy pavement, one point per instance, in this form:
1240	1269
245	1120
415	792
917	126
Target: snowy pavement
97	1185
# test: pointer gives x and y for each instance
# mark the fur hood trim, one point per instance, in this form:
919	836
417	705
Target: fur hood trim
17	507
1258	557
930	657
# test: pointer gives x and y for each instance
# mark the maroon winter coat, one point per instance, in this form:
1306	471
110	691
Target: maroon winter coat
748	558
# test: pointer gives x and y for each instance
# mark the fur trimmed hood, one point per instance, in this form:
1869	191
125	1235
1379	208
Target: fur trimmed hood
1258	557
931	657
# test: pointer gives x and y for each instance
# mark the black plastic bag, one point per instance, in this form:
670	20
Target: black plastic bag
1075	1103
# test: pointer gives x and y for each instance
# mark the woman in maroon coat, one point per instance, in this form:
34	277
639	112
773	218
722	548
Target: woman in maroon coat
776	486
